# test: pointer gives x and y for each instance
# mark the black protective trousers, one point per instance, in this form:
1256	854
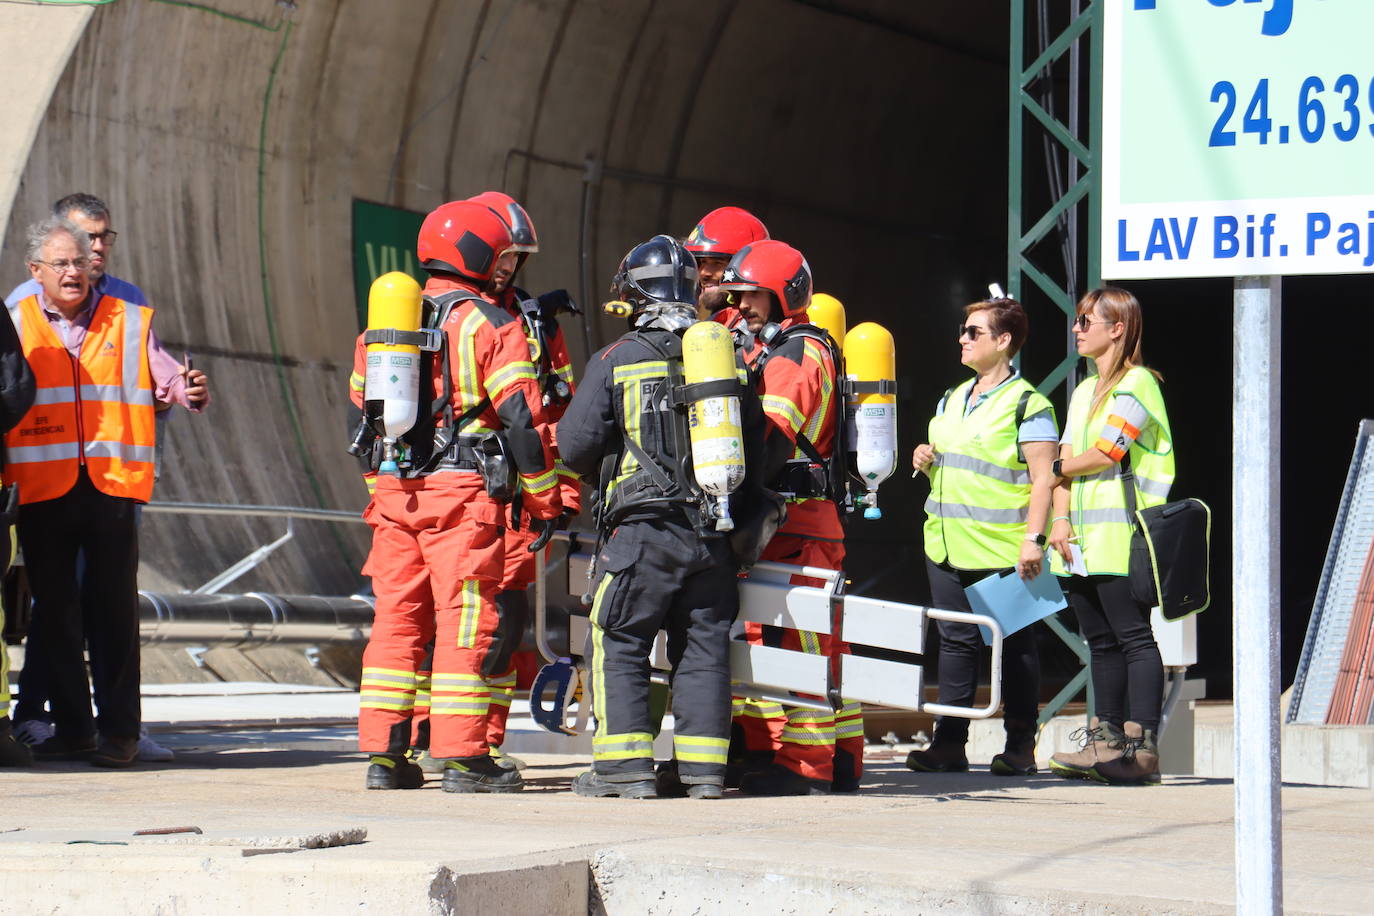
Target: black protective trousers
961	647
659	574
1127	671
100	610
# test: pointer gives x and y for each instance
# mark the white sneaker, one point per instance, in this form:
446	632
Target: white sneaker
33	731
150	751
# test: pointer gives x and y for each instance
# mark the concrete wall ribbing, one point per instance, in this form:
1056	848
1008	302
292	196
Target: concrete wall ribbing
219	133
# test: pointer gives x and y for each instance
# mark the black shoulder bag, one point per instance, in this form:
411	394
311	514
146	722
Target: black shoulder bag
1171	553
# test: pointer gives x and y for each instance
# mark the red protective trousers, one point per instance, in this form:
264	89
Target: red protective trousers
438	552
806	741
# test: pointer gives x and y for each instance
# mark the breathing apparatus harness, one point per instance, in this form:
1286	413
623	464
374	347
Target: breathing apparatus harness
813	476
658	485
539	314
434	443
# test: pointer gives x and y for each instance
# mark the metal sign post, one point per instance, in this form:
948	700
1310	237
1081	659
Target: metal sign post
1255	578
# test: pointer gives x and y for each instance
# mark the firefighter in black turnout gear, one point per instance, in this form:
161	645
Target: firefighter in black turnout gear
661	563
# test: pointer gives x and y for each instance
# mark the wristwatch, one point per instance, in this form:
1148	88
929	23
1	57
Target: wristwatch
1057	468
1039	539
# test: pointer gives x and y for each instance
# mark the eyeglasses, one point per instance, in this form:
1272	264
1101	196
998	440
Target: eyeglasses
63	265
108	236
1083	322
971	331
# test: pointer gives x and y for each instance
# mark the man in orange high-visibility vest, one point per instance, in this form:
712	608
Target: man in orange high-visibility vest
82	458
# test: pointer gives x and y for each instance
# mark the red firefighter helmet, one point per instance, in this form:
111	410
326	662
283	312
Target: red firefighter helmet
774	266
525	239
463	238
724	231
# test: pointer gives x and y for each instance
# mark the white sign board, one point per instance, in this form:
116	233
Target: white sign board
1237	138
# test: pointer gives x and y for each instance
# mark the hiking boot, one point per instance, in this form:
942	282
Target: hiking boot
940	757
34	732
1018	758
592	784
115	753
1099	743
13	753
392	771
1138	764
779	780
480	774
59	747
506	761
421	758
667	782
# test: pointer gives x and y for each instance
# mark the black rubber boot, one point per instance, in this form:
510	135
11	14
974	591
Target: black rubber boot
779	780
667	782
13	752
592	784
844	779
1018	759
751	762
940	757
480	774
390	771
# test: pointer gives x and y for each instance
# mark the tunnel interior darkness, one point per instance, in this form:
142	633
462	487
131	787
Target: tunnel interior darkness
232	137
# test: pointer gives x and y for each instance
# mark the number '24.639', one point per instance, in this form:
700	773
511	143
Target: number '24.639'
1311	117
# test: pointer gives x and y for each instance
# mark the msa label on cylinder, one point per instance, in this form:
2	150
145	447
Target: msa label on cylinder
391	375
875	428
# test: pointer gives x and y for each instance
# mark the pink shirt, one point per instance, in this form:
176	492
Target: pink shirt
169	385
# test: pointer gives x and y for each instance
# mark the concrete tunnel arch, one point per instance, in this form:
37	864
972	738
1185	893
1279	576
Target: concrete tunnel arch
231	138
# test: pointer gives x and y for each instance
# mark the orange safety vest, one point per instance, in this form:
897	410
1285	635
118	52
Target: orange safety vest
95	410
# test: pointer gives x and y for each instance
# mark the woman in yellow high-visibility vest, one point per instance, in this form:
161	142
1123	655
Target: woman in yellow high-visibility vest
1116	418
992	442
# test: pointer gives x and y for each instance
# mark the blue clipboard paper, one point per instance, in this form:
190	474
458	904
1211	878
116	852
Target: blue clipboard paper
1013	602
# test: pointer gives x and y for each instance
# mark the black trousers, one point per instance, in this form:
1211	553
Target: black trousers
653	575
99	611
961	646
1126	665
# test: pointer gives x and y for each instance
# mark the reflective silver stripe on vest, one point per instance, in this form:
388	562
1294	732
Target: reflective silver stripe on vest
133	350
1102	516
59	395
1017	476
32	454
120	450
1152	487
977	513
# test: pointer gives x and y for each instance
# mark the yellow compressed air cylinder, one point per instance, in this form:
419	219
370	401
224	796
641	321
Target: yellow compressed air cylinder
708	355
870	358
825	311
392	384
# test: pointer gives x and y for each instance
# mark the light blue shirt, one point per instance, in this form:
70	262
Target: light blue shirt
106	286
1038	427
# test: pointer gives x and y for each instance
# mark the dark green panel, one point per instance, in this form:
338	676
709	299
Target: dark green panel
383	241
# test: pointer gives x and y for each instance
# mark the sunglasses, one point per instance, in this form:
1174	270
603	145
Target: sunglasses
1083	322
971	331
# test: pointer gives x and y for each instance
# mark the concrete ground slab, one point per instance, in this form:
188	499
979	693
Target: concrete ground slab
909	842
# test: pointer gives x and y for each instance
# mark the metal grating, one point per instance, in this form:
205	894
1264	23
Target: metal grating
1338	592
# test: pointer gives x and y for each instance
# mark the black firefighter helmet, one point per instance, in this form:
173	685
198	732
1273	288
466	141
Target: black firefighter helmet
657	276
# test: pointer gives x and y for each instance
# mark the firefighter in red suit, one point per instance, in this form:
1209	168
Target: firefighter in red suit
795	367
713	242
439	526
553	369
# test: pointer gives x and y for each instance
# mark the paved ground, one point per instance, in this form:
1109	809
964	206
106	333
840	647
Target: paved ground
921	843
